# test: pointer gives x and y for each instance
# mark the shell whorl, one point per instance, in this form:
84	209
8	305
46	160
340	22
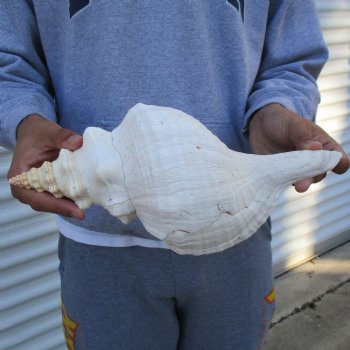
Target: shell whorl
40	179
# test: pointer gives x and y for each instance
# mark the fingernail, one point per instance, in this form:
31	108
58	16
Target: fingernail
73	139
77	214
72	142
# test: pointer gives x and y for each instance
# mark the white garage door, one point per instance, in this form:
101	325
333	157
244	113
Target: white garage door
306	225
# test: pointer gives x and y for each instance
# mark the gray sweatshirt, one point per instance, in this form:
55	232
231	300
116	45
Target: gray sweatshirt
86	62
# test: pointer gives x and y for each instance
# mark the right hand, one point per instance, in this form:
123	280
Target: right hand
275	129
38	140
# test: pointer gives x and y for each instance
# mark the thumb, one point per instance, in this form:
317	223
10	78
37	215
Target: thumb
68	139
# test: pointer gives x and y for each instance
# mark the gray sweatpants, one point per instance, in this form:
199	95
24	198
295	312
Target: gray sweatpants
140	298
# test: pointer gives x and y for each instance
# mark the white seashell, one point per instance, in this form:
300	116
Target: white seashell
183	183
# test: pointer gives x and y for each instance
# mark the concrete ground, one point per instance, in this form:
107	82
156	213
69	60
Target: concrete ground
313	305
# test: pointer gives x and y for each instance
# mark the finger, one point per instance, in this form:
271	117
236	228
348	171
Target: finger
303	185
319	178
329	145
45	202
68	139
343	165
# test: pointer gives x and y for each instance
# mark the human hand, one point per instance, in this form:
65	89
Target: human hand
38	140
275	129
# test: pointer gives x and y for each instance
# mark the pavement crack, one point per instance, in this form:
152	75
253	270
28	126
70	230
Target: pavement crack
311	304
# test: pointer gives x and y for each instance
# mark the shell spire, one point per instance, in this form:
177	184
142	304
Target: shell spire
40	179
61	178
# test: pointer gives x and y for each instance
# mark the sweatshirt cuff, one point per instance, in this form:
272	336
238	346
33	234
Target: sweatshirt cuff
293	104
9	122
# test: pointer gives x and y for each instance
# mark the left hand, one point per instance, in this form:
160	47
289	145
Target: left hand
275	129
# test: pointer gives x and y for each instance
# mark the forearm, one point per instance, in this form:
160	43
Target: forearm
294	54
25	86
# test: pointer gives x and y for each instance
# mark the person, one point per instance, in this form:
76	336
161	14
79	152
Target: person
245	69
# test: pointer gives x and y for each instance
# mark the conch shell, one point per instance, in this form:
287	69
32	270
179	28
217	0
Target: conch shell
187	188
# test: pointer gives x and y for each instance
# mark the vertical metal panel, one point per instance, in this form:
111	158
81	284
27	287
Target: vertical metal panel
29	281
305	225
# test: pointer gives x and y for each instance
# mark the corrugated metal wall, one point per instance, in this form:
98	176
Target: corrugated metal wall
303	225
309	224
29	282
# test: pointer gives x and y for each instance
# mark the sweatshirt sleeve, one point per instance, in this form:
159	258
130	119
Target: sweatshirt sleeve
293	56
25	86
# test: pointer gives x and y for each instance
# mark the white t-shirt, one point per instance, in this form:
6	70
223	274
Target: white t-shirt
83	235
